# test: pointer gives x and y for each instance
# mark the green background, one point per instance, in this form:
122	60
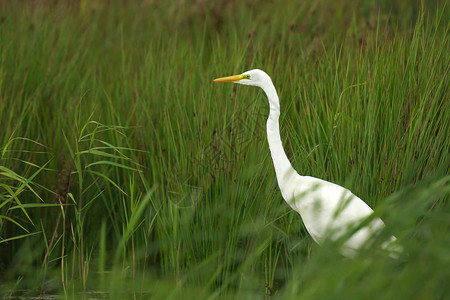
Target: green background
125	172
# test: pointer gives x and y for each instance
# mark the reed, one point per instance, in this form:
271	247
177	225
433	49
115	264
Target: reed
125	172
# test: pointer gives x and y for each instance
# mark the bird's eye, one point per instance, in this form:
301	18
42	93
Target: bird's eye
246	76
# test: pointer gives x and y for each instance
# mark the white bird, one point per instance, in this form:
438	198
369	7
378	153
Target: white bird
329	211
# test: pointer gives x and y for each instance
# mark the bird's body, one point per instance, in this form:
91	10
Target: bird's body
328	210
330	217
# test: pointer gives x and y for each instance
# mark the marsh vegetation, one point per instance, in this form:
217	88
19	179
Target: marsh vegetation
124	171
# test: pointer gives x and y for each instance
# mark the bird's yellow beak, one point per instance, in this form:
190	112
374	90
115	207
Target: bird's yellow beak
229	78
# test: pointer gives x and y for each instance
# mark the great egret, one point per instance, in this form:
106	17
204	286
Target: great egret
328	210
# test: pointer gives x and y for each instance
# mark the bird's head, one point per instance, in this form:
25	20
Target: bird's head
253	77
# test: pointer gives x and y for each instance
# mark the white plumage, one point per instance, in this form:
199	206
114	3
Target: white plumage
328	210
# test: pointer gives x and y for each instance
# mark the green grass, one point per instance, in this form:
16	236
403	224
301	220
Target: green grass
124	170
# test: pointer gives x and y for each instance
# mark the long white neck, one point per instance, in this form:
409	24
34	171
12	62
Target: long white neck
283	167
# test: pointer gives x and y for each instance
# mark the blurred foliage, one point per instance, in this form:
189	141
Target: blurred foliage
125	173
